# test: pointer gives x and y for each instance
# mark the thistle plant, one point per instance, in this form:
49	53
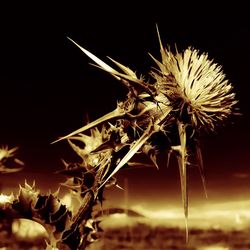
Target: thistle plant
8	162
187	94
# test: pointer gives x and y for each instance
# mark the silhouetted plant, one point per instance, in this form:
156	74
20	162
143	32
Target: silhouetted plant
188	93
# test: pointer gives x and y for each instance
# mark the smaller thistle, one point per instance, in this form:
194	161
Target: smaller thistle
8	161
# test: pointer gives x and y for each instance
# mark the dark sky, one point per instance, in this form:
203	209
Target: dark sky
48	86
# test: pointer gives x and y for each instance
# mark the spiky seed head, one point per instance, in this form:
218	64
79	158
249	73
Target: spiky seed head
5	152
196	85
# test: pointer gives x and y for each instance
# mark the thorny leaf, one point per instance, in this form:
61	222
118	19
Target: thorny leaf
47	210
128	76
114	114
137	145
150	151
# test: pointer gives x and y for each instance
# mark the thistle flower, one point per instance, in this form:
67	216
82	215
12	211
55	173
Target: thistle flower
197	86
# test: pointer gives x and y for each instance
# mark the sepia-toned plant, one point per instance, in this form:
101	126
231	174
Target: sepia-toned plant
187	94
8	162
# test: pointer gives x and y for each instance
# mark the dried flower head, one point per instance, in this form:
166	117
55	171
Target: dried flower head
197	86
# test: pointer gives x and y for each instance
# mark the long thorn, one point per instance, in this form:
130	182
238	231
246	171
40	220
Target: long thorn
98	61
113	114
131	152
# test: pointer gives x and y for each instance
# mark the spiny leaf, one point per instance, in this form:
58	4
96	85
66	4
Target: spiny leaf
113	114
130	75
150	151
138	144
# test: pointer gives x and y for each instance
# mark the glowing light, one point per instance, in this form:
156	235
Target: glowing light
27	229
71	202
5	198
213	247
228	215
67	201
238	219
159	214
